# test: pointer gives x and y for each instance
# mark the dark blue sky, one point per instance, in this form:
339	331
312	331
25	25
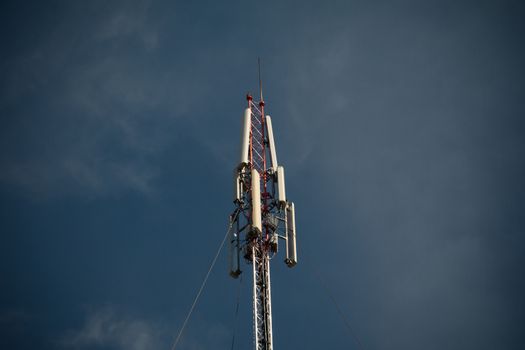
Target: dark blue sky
401	126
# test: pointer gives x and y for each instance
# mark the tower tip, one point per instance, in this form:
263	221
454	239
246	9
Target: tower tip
260	81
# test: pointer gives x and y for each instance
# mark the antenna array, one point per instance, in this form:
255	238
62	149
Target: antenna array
262	216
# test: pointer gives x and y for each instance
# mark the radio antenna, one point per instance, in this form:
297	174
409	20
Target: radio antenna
263	215
260	81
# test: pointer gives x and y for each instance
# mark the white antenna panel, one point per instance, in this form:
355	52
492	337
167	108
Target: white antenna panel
281	189
245	139
273	154
256	202
237	186
291	247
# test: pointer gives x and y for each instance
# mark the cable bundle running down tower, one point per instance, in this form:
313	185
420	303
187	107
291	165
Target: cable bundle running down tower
262	215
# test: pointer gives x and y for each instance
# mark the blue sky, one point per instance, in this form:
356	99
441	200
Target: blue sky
400	125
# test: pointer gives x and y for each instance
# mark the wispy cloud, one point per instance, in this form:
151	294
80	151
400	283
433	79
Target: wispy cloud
131	22
97	121
105	328
110	328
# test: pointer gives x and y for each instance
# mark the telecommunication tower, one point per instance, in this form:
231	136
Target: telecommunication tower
262	215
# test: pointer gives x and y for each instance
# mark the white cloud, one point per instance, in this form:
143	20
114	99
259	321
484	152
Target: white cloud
105	328
108	327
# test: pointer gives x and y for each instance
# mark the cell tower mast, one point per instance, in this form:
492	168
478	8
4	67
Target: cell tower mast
262	215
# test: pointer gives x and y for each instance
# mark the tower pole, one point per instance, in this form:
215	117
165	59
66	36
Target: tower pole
262	311
266	216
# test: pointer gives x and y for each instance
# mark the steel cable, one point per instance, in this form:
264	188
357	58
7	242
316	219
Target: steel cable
234	217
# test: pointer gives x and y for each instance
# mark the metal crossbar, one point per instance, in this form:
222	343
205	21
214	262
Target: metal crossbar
254	106
258	143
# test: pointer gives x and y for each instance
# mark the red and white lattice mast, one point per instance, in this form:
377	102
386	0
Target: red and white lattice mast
262	215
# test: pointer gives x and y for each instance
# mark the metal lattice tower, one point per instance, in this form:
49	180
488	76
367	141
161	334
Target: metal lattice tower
262	216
